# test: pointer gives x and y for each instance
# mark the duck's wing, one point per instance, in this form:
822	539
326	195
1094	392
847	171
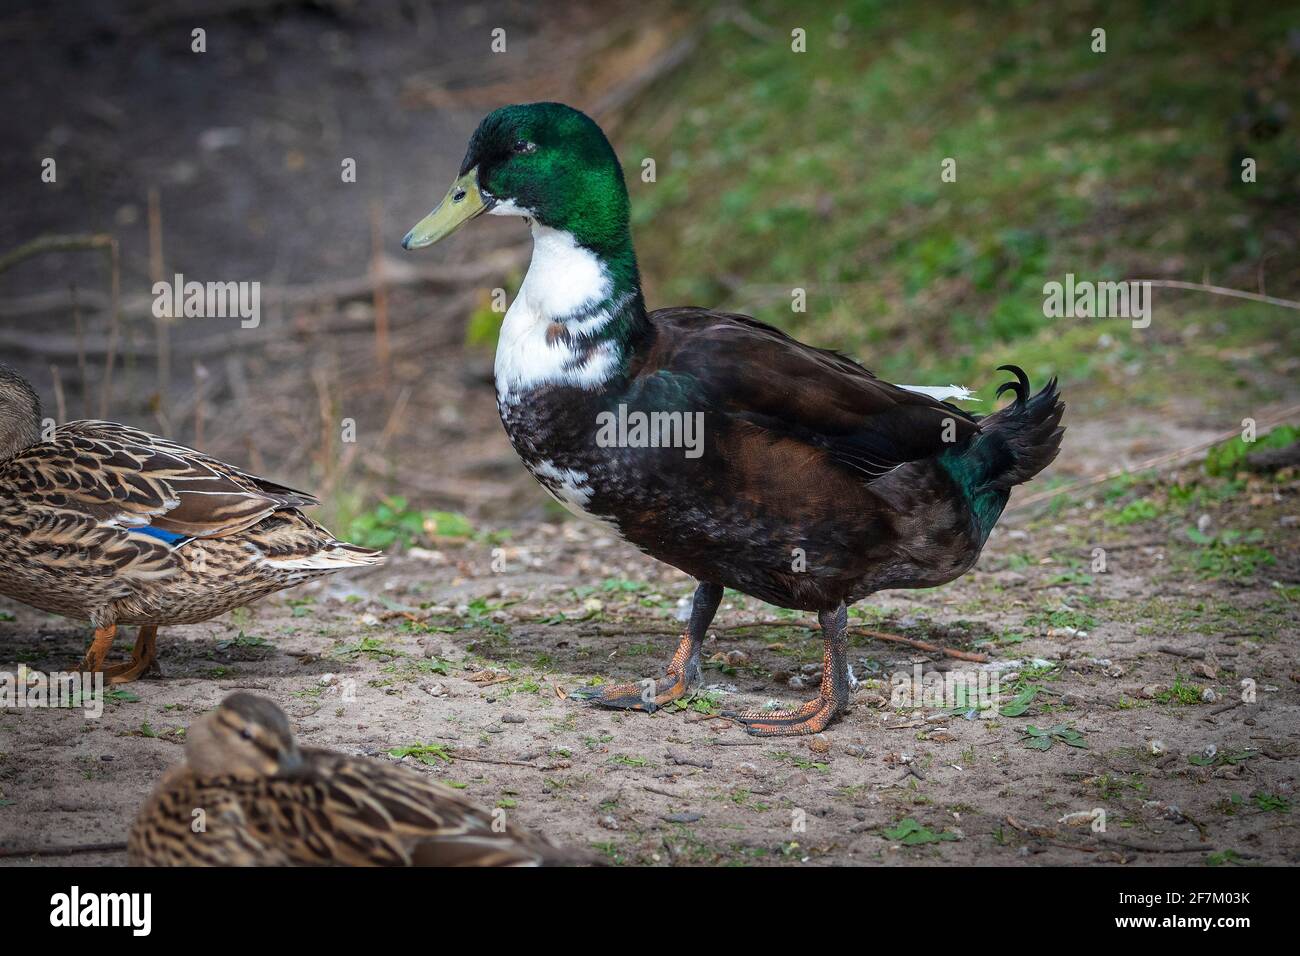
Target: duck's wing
129	479
366	812
290	541
735	366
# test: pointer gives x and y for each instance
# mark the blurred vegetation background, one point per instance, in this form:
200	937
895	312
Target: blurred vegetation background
822	171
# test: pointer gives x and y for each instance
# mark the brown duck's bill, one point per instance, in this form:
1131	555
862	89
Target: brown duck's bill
464	201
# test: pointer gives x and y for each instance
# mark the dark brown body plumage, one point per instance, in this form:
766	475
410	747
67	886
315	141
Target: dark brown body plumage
813	485
818	483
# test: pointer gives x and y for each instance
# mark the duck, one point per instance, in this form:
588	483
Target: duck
108	524
265	801
716	443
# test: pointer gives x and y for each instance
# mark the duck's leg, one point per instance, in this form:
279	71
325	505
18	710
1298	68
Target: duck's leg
683	670
98	650
144	659
814	716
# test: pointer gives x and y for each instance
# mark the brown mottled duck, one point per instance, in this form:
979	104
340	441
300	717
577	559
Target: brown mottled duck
260	800
108	524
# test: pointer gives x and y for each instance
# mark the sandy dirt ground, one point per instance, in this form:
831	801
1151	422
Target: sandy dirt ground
469	665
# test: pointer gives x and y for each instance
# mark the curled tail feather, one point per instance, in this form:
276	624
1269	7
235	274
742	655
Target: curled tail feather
1020	440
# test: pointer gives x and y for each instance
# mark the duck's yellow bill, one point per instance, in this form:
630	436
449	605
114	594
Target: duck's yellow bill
462	203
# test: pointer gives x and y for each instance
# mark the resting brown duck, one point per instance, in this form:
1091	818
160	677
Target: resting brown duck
247	795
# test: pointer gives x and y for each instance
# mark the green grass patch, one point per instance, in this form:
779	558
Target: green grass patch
910	833
822	172
430	754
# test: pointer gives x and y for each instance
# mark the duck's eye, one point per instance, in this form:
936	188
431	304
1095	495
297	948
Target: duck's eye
246	734
523	146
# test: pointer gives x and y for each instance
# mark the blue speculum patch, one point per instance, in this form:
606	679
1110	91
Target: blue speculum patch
171	537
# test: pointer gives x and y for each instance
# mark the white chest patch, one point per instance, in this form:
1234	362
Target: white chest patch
571	489
563	278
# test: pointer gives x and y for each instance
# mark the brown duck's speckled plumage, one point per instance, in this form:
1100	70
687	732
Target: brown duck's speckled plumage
315	808
70	512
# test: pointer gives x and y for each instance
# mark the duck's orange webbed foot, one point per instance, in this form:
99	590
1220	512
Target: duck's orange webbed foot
812	718
144	658
683	671
98	650
816	715
649	695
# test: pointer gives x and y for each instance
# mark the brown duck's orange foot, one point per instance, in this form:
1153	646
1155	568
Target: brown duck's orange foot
98	650
648	695
144	658
812	718
131	670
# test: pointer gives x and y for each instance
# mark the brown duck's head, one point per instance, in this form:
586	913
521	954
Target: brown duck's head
20	413
247	736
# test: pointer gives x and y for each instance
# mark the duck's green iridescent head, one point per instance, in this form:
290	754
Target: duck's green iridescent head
546	161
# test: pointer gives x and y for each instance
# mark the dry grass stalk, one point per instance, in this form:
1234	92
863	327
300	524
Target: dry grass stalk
380	295
161	330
